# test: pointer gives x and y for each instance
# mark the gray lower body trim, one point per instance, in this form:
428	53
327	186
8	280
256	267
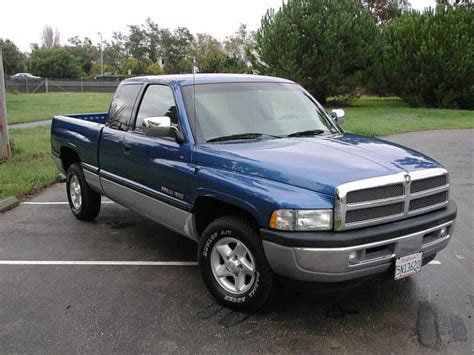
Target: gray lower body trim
93	181
91	173
174	218
58	162
341	264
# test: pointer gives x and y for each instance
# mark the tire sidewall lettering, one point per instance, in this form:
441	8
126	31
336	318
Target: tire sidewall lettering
256	283
223	232
251	293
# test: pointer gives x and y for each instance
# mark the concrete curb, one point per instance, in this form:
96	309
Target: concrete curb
8	204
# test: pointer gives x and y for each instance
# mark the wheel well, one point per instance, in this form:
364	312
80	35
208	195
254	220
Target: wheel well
207	209
69	156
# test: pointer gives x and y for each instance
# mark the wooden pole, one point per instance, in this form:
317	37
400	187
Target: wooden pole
5	151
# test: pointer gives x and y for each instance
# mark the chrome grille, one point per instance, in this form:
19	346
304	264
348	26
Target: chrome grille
428	201
367	214
388	198
428	184
376	193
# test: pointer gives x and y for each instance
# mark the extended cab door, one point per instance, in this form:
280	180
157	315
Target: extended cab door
113	169
111	146
155	171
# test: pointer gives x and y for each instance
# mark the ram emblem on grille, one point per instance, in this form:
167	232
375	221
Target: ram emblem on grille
407	179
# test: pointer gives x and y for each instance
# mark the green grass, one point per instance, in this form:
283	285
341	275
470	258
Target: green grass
368	116
374	116
36	107
30	168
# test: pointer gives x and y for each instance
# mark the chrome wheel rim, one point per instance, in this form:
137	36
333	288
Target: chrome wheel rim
233	265
75	192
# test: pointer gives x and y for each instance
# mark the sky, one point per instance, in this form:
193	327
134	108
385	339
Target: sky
23	20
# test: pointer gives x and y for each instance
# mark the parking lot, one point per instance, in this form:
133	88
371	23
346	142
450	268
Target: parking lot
125	284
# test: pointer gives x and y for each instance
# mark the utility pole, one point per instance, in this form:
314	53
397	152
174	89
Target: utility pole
5	151
101	54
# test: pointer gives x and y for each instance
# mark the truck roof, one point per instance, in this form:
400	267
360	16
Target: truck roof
188	79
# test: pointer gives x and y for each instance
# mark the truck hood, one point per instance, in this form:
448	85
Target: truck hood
315	163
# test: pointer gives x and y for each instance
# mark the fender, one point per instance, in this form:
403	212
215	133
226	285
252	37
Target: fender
258	196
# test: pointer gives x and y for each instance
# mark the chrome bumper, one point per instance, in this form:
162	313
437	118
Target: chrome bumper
346	263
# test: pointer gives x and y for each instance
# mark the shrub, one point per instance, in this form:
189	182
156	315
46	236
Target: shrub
54	63
324	45
428	58
153	69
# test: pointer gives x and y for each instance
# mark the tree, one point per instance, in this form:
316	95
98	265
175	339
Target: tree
13	58
210	58
153	69
115	51
324	45
150	42
137	42
84	52
145	41
468	3
50	38
236	46
176	50
56	63
428	58
385	10
136	66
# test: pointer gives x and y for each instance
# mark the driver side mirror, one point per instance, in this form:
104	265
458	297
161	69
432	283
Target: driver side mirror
161	127
338	115
156	126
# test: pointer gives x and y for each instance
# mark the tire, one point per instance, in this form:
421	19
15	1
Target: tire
231	248
83	201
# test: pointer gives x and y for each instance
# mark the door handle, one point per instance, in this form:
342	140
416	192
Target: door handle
127	148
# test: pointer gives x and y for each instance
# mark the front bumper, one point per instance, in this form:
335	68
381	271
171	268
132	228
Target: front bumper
341	256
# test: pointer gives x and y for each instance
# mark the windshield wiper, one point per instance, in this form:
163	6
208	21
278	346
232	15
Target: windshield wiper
307	133
239	136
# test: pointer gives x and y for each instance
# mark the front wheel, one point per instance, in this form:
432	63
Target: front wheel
83	201
233	264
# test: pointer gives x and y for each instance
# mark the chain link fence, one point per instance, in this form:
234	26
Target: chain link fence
60	85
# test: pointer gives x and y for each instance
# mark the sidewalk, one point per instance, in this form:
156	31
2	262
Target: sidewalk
30	124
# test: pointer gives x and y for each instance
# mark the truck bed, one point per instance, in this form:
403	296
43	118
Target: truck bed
99	117
81	132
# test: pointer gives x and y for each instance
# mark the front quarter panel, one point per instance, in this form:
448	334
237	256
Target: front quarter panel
258	196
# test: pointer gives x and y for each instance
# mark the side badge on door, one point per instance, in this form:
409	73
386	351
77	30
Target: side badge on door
172	193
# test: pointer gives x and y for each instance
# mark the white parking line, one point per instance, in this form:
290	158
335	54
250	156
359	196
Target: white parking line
106	263
55	203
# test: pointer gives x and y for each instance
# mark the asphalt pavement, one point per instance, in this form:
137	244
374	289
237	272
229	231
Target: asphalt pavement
123	284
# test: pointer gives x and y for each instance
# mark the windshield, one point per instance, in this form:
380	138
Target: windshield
253	110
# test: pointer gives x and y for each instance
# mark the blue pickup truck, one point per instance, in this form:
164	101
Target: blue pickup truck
265	181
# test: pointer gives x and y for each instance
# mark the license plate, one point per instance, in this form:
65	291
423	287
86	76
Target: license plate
407	265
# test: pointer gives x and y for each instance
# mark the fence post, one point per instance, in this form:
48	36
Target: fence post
46	85
82	86
5	151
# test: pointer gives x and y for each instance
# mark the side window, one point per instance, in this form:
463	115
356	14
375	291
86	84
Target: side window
158	101
122	106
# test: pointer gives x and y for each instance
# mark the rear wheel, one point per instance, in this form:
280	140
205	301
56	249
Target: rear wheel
83	201
233	264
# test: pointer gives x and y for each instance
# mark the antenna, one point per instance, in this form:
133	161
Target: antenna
194	98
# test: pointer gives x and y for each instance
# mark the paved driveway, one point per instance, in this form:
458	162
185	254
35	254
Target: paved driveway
157	303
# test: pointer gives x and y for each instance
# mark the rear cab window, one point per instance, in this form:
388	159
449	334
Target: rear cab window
122	106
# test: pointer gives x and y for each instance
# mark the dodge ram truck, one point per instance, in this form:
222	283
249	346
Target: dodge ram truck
255	171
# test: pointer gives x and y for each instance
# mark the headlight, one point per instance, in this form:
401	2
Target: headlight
301	220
